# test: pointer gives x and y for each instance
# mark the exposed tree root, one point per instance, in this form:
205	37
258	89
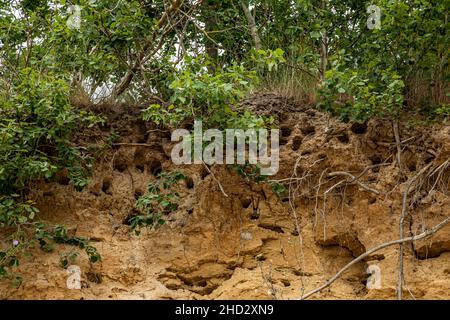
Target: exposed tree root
425	234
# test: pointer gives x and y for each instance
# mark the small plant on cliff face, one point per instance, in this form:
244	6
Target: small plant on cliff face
160	200
37	123
253	173
31	233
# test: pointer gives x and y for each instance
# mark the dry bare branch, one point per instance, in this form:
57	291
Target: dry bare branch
215	179
353	180
425	234
402	219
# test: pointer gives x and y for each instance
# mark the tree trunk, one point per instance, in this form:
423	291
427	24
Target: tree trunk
210	47
251	25
323	49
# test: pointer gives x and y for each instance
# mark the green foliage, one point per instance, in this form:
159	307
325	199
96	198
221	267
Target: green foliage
14	212
35	126
360	95
269	59
200	93
30	233
381	68
67	258
160	115
159	201
443	110
278	188
58	234
252	173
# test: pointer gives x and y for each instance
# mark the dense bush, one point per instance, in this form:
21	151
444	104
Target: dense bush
36	123
160	200
199	93
358	95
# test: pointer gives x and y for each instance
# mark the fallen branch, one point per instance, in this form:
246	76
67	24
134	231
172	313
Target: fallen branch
425	234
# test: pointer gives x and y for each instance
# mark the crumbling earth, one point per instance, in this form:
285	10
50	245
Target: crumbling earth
253	244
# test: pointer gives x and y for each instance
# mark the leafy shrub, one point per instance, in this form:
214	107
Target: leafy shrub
160	200
443	110
252	173
36	124
198	92
354	94
17	217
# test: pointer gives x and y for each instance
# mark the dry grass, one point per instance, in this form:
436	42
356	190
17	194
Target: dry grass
293	80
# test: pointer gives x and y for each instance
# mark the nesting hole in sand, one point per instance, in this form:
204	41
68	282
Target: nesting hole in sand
143	138
106	185
375	160
306	153
286	282
94	277
140	168
285	134
120	164
204	173
246	202
155	167
138	194
254	215
296	143
189	183
359	128
285	131
343	138
308	130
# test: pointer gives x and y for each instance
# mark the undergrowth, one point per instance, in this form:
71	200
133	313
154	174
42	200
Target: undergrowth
36	125
160	200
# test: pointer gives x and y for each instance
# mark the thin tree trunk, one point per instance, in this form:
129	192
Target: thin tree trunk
323	49
210	47
251	25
